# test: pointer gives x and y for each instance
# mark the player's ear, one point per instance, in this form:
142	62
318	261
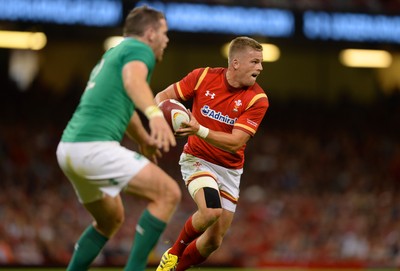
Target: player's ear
151	34
235	63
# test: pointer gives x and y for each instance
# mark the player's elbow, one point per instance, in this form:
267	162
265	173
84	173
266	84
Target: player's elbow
233	148
158	99
167	93
236	143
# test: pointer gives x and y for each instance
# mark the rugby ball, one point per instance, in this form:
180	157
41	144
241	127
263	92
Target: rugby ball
175	113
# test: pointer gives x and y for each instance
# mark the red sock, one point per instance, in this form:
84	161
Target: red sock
187	235
191	257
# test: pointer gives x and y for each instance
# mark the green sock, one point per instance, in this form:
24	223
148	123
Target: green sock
148	231
86	250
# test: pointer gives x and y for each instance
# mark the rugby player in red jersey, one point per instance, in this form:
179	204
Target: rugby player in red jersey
228	107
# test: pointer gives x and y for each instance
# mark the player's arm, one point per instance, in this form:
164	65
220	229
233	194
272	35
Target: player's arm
134	75
168	93
183	89
137	132
230	142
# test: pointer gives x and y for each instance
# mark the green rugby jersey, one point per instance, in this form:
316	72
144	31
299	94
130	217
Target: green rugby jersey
105	108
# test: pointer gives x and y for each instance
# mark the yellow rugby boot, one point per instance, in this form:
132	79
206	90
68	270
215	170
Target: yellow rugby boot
168	262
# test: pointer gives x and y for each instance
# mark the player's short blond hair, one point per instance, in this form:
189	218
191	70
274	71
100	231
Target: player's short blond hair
239	44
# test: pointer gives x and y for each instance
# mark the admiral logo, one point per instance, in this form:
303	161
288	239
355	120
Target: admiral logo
212	114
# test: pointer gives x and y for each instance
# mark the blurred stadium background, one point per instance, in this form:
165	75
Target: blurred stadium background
322	176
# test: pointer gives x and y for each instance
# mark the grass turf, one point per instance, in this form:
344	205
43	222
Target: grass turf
2	268
120	269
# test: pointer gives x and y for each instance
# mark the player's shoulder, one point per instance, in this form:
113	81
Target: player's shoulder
258	94
205	74
256	89
204	71
216	70
130	46
131	42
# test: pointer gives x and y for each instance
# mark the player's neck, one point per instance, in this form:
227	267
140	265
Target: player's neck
230	79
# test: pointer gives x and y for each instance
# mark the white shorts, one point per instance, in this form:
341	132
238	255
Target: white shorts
98	168
228	179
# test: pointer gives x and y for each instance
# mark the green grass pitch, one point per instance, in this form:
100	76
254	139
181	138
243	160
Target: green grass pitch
120	269
211	269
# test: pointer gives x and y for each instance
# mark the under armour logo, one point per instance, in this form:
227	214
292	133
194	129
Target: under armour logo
208	93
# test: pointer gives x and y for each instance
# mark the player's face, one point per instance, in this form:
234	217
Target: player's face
250	67
160	40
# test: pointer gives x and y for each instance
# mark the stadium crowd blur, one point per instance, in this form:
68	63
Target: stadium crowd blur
321	186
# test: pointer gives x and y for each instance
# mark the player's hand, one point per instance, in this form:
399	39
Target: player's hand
161	133
188	128
150	151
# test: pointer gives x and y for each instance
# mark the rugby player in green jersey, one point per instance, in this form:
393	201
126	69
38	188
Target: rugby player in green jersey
92	158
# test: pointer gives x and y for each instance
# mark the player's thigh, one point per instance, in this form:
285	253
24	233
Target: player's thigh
152	182
98	168
207	200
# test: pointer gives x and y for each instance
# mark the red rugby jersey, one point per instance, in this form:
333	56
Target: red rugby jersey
220	107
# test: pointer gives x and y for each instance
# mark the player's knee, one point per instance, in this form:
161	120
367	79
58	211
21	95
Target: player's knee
215	242
171	193
110	225
212	243
175	193
210	215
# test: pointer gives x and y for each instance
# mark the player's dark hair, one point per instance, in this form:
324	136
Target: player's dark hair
140	18
240	43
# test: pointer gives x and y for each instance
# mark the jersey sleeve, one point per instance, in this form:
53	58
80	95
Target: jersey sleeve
187	86
251	119
145	55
